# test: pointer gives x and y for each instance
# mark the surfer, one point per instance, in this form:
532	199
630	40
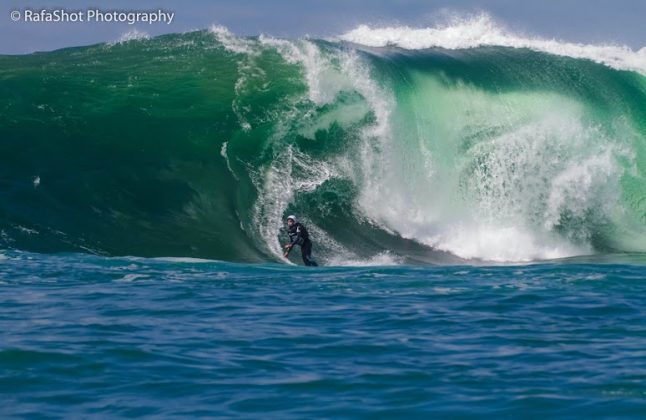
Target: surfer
298	236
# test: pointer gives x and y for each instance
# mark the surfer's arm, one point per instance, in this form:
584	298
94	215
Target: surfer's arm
294	239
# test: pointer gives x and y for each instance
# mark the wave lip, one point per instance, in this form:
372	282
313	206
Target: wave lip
482	30
132	35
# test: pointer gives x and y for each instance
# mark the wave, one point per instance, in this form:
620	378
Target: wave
481	31
394	145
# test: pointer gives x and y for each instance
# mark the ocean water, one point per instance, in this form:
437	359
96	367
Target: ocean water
87	336
476	199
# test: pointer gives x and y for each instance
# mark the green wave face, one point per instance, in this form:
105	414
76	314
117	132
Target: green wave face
199	144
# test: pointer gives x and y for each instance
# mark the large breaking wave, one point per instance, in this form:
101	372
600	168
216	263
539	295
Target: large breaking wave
393	144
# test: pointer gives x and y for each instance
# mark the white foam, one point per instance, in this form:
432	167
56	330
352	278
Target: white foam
482	30
322	80
225	154
231	42
131	35
381	259
502	243
575	189
189	260
372	167
28	231
132	277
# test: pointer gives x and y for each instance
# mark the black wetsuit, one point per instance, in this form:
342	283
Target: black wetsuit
298	236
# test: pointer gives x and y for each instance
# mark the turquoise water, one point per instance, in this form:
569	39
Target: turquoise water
200	144
87	336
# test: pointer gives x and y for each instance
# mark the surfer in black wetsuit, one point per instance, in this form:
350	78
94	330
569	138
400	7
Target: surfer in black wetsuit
298	236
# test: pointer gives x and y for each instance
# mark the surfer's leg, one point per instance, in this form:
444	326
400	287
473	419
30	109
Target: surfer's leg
306	253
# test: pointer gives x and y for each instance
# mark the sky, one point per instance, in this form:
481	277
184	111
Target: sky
584	21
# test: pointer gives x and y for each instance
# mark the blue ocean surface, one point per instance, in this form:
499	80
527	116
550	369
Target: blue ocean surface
89	336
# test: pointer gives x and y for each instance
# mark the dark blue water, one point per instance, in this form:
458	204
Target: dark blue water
85	336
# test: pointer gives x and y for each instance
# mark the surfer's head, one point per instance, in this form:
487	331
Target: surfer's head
291	220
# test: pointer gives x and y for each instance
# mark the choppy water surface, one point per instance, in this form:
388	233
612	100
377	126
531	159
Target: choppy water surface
85	335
